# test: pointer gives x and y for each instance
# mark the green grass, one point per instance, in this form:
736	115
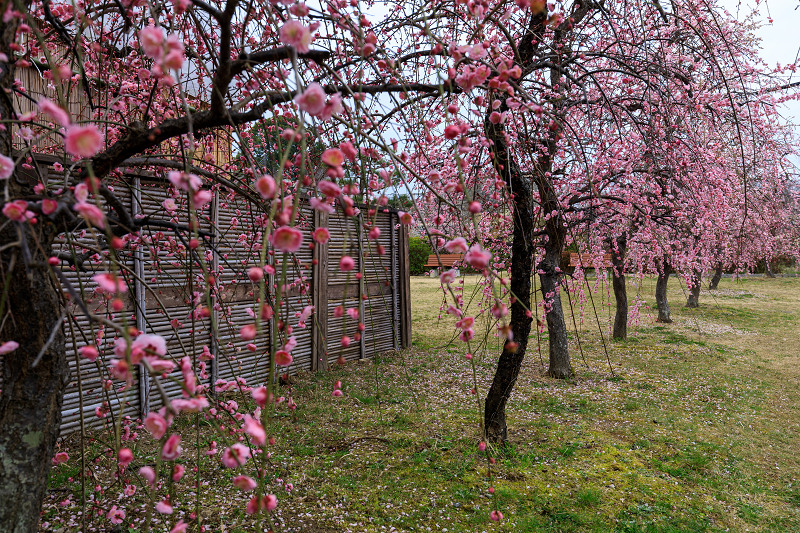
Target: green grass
695	430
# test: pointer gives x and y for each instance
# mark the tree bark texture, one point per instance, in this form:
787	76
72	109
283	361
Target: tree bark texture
510	362
30	401
620	293
661	294
694	290
715	279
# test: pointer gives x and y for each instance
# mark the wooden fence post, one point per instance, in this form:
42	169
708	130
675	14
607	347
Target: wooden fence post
214	314
319	284
405	292
362	334
140	304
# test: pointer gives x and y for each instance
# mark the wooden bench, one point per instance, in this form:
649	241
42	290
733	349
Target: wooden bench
444	260
585	261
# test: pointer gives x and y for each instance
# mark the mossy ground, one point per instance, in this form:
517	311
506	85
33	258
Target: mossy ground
695	429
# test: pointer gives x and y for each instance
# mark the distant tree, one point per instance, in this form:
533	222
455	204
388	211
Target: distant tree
418	252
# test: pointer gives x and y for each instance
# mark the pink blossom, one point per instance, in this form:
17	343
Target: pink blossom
235	456
8	347
333	157
164	507
60	116
248	332
125	456
201	198
496	515
159	366
329	189
294	33
270	502
256	431
478	258
190	405
181	526
91	213
177	472
255	274
346	263
348	150
120	369
321	205
456	246
266	186
17	211
185	181
337	393
283	358
150	344
312	100
6	167
405	218
447	277
49	206
83	141
60	457
260	395
110	283
156	424
151	40
129	490
169	204
148	474
174	59
116	515
332	107
244	483
287	239
172	448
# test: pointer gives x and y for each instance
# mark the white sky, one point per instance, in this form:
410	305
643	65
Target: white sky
780	40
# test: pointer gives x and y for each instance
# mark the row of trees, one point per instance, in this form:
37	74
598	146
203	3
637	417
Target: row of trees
640	128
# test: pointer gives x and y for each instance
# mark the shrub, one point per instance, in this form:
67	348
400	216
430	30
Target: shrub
418	252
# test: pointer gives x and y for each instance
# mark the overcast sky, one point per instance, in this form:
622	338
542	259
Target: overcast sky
780	40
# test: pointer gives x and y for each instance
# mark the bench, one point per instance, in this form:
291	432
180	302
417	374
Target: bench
585	261
444	260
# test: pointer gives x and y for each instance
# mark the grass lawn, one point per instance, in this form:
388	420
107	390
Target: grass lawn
695	429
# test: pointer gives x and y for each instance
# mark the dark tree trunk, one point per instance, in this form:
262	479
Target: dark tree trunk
520	187
560	366
715	279
620	292
694	290
510	362
661	294
30	401
768	269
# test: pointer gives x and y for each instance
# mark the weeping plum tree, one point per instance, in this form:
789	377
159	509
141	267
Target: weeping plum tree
524	116
592	115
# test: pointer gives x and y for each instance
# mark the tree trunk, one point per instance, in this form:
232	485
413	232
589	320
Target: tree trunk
716	278
560	366
510	362
694	290
661	294
620	293
30	401
768	268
